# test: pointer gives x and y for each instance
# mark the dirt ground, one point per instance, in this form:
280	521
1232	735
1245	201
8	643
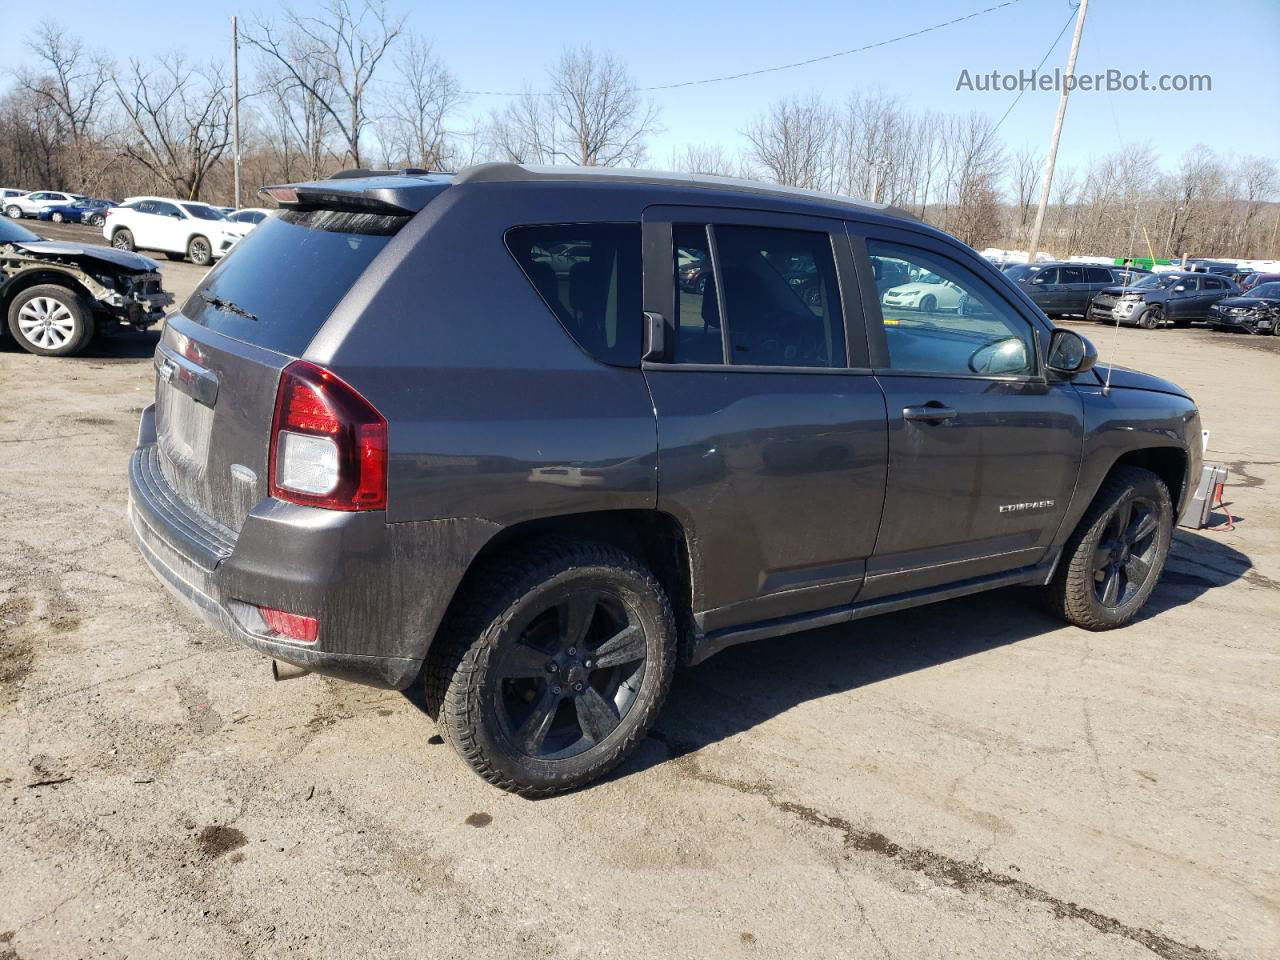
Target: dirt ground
971	779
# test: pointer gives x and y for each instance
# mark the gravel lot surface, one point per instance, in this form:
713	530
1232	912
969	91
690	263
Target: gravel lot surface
970	779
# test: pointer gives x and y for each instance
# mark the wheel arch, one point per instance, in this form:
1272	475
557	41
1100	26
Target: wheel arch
1167	463
653	537
26	279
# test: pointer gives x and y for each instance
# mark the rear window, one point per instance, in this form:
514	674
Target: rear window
280	283
589	275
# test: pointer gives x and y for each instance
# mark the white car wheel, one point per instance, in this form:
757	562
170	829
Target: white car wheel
47	323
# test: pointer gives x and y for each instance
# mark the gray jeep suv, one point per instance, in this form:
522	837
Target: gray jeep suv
474	432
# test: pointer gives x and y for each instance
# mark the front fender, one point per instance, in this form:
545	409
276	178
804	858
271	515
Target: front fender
1125	422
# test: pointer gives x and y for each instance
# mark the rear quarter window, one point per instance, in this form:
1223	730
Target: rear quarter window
589	275
280	283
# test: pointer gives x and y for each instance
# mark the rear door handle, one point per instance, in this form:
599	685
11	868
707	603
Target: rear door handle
932	412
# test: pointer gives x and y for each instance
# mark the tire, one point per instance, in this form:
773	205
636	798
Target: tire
1151	319
13	212
122	239
200	251
97	220
51	320
1126	531
928	304
504	672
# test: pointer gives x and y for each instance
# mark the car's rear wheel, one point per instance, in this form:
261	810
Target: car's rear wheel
928	304
97	220
200	251
554	666
122	239
1114	559
50	320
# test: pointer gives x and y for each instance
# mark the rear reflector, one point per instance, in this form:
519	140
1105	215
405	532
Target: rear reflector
291	626
328	444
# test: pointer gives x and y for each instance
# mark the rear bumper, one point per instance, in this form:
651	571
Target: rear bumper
338	567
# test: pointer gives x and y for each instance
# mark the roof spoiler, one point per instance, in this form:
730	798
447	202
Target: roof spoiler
388	192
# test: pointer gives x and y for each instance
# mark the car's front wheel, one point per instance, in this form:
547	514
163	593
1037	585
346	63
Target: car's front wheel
1151	318
200	251
50	320
928	304
554	667
1116	555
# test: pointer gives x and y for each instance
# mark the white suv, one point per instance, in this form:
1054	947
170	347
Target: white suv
29	204
178	228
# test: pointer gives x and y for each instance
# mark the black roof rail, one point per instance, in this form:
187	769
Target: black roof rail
359	173
500	172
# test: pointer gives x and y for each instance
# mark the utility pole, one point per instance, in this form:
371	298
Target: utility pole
235	108
1057	134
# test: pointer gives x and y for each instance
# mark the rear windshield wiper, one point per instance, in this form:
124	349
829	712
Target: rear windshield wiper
226	306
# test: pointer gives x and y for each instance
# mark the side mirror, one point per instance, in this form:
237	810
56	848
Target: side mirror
1179	289
1037	279
1070	354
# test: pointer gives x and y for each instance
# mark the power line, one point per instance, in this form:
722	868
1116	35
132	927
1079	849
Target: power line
783	66
1047	54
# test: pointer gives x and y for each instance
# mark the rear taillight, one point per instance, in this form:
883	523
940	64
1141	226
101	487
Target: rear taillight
328	443
291	626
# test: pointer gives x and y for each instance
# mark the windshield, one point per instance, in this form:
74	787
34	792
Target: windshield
1271	289
1019	272
1159	280
11	232
203	211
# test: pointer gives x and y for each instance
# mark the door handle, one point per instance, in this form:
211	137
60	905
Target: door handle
931	412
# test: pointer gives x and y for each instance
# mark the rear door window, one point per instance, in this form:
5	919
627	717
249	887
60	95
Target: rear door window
589	275
699	338
281	282
781	297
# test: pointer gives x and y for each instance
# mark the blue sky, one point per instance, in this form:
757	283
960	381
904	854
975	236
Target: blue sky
502	45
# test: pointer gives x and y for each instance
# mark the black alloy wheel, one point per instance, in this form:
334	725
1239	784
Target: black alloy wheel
570	676
1125	555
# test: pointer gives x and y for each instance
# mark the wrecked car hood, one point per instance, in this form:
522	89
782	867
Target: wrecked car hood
119	258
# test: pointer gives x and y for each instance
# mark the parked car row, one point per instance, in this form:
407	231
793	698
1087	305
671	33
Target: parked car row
180	229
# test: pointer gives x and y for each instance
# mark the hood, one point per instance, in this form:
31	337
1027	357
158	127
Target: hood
1125	379
1256	303
118	258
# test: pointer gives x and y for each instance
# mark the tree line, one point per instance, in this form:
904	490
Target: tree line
353	86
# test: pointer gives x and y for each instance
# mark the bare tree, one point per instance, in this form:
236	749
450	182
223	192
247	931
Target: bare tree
591	116
302	124
792	142
426	94
74	82
605	122
180	120
524	131
347	46
708	158
1024	179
